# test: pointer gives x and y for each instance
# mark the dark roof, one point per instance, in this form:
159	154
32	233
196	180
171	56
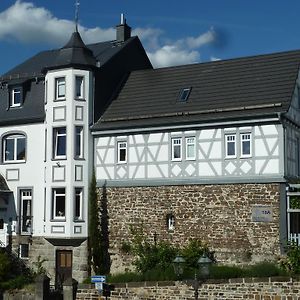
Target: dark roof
244	87
102	52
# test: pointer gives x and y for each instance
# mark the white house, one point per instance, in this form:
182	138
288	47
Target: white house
207	151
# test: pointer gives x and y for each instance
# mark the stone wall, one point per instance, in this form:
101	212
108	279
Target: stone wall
43	248
220	215
247	288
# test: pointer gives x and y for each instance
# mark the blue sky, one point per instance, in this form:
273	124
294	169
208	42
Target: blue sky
173	32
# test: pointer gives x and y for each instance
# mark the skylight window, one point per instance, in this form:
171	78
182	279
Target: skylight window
184	94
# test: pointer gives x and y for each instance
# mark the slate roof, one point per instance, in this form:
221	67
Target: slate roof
74	53
34	66
222	90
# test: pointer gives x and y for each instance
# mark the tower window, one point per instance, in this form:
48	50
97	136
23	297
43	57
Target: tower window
79	87
60	86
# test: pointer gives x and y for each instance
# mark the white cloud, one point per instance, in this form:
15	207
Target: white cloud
44	28
172	55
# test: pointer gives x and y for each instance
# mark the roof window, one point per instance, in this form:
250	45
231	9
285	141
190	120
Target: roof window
184	94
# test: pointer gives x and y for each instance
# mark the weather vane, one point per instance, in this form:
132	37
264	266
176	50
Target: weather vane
76	14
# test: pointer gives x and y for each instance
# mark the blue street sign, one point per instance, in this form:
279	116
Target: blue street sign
98	278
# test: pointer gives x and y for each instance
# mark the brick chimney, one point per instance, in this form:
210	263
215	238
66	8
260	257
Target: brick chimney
123	30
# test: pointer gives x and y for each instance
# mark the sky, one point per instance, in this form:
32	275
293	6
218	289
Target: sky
173	32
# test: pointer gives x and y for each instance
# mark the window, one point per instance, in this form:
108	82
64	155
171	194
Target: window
78	204
78	142
190	148
60	86
24	250
230	145
1	224
184	94
16	98
122	152
14	148
298	156
170	222
176	149
26	211
58	203
79	87
245	144
59	142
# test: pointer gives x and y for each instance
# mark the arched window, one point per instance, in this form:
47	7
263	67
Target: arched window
170	221
14	148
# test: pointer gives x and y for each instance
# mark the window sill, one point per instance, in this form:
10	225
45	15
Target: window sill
176	160
80	99
59	158
59	99
121	162
58	220
79	221
79	158
10	162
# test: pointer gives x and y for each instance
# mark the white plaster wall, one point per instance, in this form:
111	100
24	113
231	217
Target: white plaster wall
149	155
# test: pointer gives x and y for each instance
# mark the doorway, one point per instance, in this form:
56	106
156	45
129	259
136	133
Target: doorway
63	267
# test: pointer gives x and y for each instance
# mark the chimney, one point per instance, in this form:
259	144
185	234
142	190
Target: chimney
123	30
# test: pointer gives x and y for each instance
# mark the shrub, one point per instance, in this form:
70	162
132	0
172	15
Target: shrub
264	269
5	266
291	263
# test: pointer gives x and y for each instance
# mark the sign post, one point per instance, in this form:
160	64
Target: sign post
98	280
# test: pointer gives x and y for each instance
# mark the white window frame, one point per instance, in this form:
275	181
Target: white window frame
15	138
16	91
60	81
20	251
26	221
190	142
56	136
171	222
78	192
242	140
81	78
227	136
78	135
176	142
122	146
55	195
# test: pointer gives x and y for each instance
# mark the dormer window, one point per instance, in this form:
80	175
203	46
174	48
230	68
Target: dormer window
60	88
16	99
184	94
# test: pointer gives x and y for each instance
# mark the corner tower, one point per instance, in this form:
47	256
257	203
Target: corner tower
68	106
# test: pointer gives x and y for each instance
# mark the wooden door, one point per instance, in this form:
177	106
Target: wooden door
63	267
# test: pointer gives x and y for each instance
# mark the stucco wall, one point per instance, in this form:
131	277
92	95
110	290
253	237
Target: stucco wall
220	215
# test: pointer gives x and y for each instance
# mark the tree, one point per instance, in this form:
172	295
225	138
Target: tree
94	226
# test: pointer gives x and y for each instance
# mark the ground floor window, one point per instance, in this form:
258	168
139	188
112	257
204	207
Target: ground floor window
24	250
293	215
26	211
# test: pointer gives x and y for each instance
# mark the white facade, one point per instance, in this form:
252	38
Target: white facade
202	154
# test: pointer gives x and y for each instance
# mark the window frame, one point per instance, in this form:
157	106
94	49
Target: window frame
27	222
173	145
79	137
187	144
81	96
58	83
184	94
13	94
242	143
21	252
226	145
15	137
171	222
80	217
56	136
119	149
55	196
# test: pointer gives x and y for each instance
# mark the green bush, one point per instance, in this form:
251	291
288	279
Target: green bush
291	263
225	272
264	269
16	282
5	266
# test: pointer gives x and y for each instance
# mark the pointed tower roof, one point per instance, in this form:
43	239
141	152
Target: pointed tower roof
75	53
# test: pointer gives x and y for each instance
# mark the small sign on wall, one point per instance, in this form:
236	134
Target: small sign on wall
262	214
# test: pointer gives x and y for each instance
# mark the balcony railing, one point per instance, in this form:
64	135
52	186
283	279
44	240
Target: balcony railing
295	237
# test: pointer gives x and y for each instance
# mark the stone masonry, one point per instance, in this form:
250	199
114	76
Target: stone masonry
41	247
219	215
